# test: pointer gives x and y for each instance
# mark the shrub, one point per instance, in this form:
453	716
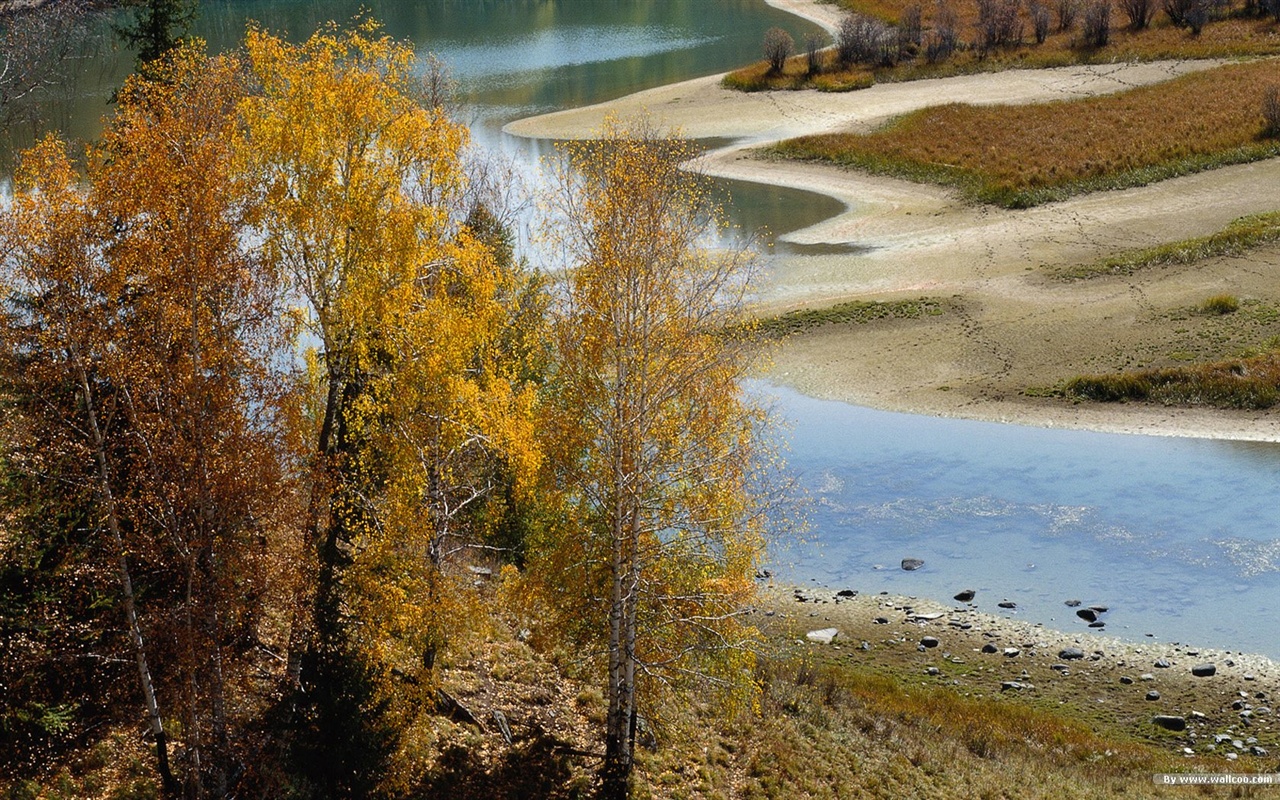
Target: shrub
1041	19
1191	14
1097	23
864	40
943	40
909	31
1066	13
812	52
1271	111
1221	304
778	46
998	24
1139	12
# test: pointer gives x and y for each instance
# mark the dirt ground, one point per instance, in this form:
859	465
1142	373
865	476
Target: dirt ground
1011	329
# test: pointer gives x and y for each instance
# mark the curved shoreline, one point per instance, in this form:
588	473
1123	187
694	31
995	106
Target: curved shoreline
1012	327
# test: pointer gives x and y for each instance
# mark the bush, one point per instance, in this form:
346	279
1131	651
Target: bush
812	52
998	24
943	40
1191	14
1041	19
1139	12
864	40
909	31
1066	10
1097	23
1271	111
778	47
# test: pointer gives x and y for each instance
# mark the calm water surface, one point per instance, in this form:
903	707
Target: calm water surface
1179	537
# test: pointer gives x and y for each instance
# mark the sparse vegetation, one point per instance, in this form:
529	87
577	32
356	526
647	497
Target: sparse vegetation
855	312
1241	235
1024	155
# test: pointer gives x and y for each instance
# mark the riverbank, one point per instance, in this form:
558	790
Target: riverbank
1103	681
1013	332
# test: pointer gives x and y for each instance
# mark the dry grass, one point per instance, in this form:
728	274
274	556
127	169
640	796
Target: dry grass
1022	155
1249	383
1234	34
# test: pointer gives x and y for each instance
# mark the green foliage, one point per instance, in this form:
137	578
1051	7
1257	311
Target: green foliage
157	27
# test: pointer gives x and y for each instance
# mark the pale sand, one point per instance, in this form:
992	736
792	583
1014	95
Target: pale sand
1009	326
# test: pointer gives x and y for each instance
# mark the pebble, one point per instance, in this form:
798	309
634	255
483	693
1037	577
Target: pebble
1153	695
988	648
930	641
1070	653
846	593
1016	686
1126	680
965	595
1161	663
912	564
1204	670
1087	614
1146	676
881	621
1010	652
932	671
1072	603
1170	722
1007	604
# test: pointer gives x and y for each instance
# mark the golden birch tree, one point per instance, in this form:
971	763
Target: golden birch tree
414	407
656	447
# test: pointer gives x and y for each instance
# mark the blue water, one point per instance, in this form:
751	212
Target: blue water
1179	537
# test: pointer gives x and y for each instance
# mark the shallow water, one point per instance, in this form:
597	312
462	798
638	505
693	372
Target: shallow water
1178	537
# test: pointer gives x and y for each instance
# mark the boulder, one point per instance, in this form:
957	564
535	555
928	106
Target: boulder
1087	614
1204	670
823	636
965	596
1169	722
1070	653
930	641
912	564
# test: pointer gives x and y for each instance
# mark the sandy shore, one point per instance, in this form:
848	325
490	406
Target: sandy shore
1009	327
1104	679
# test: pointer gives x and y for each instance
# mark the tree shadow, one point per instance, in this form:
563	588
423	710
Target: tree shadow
536	766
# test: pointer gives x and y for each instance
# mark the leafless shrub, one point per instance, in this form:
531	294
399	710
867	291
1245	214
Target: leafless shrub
1139	12
1041	20
1191	14
944	39
37	47
1067	10
998	24
1097	23
1271	110
909	31
864	40
813	53
778	47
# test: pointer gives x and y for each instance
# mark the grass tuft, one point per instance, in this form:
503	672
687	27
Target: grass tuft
1221	304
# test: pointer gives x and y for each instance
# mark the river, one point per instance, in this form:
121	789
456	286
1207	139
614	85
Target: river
1178	537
